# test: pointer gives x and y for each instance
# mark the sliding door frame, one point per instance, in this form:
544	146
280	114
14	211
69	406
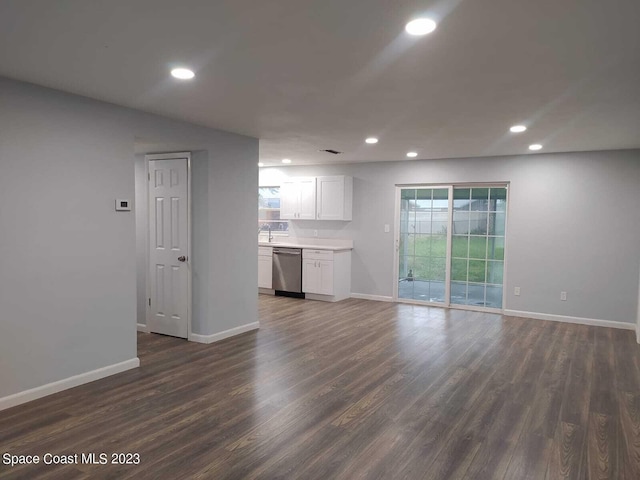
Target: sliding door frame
396	246
396	260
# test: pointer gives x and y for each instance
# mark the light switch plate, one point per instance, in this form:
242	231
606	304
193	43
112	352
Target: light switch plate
387	228
123	205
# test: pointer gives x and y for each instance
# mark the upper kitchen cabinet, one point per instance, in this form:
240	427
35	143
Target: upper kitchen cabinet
298	199
316	198
334	197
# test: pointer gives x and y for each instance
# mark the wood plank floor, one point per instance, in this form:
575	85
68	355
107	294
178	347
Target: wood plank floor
351	390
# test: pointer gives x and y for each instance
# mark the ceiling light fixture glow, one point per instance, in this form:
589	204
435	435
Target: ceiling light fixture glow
182	73
518	129
371	140
260	164
420	26
412	154
535	146
286	160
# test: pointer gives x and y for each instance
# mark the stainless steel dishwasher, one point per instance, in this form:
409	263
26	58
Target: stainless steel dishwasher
287	270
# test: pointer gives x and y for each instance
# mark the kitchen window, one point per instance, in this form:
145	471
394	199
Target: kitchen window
269	211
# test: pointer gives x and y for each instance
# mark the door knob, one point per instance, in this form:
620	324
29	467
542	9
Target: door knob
182	258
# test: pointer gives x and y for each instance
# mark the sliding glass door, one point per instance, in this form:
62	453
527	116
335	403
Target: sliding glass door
450	245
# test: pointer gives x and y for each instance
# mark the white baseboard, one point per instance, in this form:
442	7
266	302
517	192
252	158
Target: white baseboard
216	337
60	385
563	318
377	298
143	328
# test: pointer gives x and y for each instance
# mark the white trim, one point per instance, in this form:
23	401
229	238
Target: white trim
563	318
60	385
142	328
216	337
375	298
476	308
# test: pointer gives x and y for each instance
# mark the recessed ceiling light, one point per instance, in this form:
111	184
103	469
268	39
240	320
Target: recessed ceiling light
420	26
260	164
182	73
412	154
535	146
286	160
518	128
371	140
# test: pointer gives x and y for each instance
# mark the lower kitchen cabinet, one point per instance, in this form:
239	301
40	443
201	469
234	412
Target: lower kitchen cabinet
317	276
326	275
265	266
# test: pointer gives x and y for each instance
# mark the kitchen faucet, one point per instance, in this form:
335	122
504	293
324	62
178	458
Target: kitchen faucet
268	228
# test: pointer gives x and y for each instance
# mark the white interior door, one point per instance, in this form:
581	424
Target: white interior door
169	270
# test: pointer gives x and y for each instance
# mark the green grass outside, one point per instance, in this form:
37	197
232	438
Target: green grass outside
426	257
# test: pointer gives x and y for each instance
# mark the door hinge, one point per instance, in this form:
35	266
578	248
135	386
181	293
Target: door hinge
149	176
149	302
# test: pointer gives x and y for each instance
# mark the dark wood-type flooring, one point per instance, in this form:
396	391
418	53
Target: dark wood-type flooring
356	389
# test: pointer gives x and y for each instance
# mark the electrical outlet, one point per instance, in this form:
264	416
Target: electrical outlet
563	296
387	229
315	233
516	291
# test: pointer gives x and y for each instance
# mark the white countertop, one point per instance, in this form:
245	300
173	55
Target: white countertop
334	245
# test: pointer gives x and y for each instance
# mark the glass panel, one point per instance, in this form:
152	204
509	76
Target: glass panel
438	269
441	197
461	198
497	223
424	194
459	293
477	271
438	246
478	223
495	248
439	224
460	246
478	247
421	267
423	244
406	268
436	291
406	244
459	269
479	199
408	194
494	297
494	272
460	222
498	198
475	295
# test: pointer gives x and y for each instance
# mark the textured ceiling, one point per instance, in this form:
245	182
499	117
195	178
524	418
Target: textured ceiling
304	75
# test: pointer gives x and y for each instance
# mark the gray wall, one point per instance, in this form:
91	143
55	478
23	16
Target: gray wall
573	225
68	275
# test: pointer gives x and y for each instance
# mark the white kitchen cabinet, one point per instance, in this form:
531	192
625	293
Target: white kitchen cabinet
317	198
265	266
326	275
298	199
317	277
334	197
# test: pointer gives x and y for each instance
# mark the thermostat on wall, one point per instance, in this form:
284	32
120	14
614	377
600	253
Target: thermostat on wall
123	205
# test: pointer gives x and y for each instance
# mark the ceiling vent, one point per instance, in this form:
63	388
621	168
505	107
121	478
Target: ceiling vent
328	150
